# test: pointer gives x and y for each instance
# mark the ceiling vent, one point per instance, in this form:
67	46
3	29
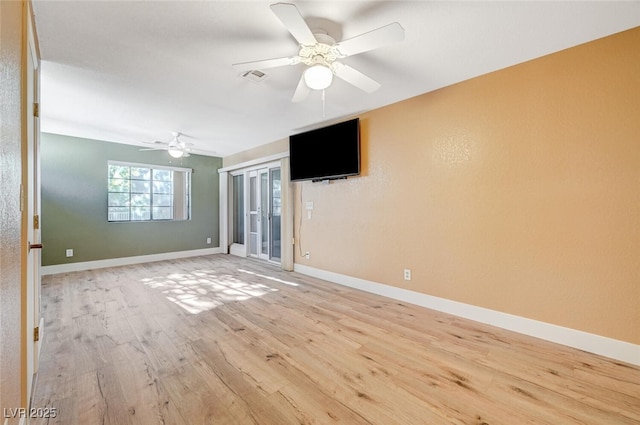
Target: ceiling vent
254	75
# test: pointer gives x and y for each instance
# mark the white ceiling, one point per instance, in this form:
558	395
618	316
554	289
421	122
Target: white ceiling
134	71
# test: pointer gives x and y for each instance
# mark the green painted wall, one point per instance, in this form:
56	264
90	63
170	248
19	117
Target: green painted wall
74	203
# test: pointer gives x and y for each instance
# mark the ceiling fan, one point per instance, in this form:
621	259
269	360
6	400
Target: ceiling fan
320	53
176	147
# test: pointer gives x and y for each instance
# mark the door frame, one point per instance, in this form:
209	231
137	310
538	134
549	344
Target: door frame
226	206
32	328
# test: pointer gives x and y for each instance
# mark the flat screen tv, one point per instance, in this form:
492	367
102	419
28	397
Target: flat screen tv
327	153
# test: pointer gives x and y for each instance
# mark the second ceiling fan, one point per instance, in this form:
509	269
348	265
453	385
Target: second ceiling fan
320	53
176	147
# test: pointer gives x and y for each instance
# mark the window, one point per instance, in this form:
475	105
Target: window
138	192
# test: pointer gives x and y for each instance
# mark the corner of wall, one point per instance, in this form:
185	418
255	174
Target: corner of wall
262	151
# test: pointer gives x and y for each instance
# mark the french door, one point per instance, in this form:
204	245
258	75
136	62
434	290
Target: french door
265	207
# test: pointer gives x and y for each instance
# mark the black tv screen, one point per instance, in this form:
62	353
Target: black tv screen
326	153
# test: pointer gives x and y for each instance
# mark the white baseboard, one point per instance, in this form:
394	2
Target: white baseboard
124	261
237	249
604	346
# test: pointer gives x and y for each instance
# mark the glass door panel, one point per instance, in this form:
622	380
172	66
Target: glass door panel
264	214
275	212
238	209
253	214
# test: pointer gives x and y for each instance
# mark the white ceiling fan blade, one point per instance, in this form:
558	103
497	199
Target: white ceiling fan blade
382	36
355	77
292	19
267	63
153	149
302	91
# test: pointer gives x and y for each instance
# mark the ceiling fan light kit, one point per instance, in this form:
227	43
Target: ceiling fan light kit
318	77
177	149
320	52
176	152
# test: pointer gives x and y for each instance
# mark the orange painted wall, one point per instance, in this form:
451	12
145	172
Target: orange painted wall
517	191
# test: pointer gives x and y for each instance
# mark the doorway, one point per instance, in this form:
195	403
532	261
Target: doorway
265	211
256	210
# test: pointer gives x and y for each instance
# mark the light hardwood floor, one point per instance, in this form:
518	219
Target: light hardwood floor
222	340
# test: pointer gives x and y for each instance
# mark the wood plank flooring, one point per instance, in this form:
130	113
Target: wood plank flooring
223	340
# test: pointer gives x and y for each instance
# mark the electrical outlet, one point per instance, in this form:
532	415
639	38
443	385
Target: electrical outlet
407	274
69	252
208	241
307	255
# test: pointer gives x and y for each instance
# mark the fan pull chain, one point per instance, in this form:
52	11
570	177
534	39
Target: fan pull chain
323	104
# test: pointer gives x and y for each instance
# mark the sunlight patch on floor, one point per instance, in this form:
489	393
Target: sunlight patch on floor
203	290
269	277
